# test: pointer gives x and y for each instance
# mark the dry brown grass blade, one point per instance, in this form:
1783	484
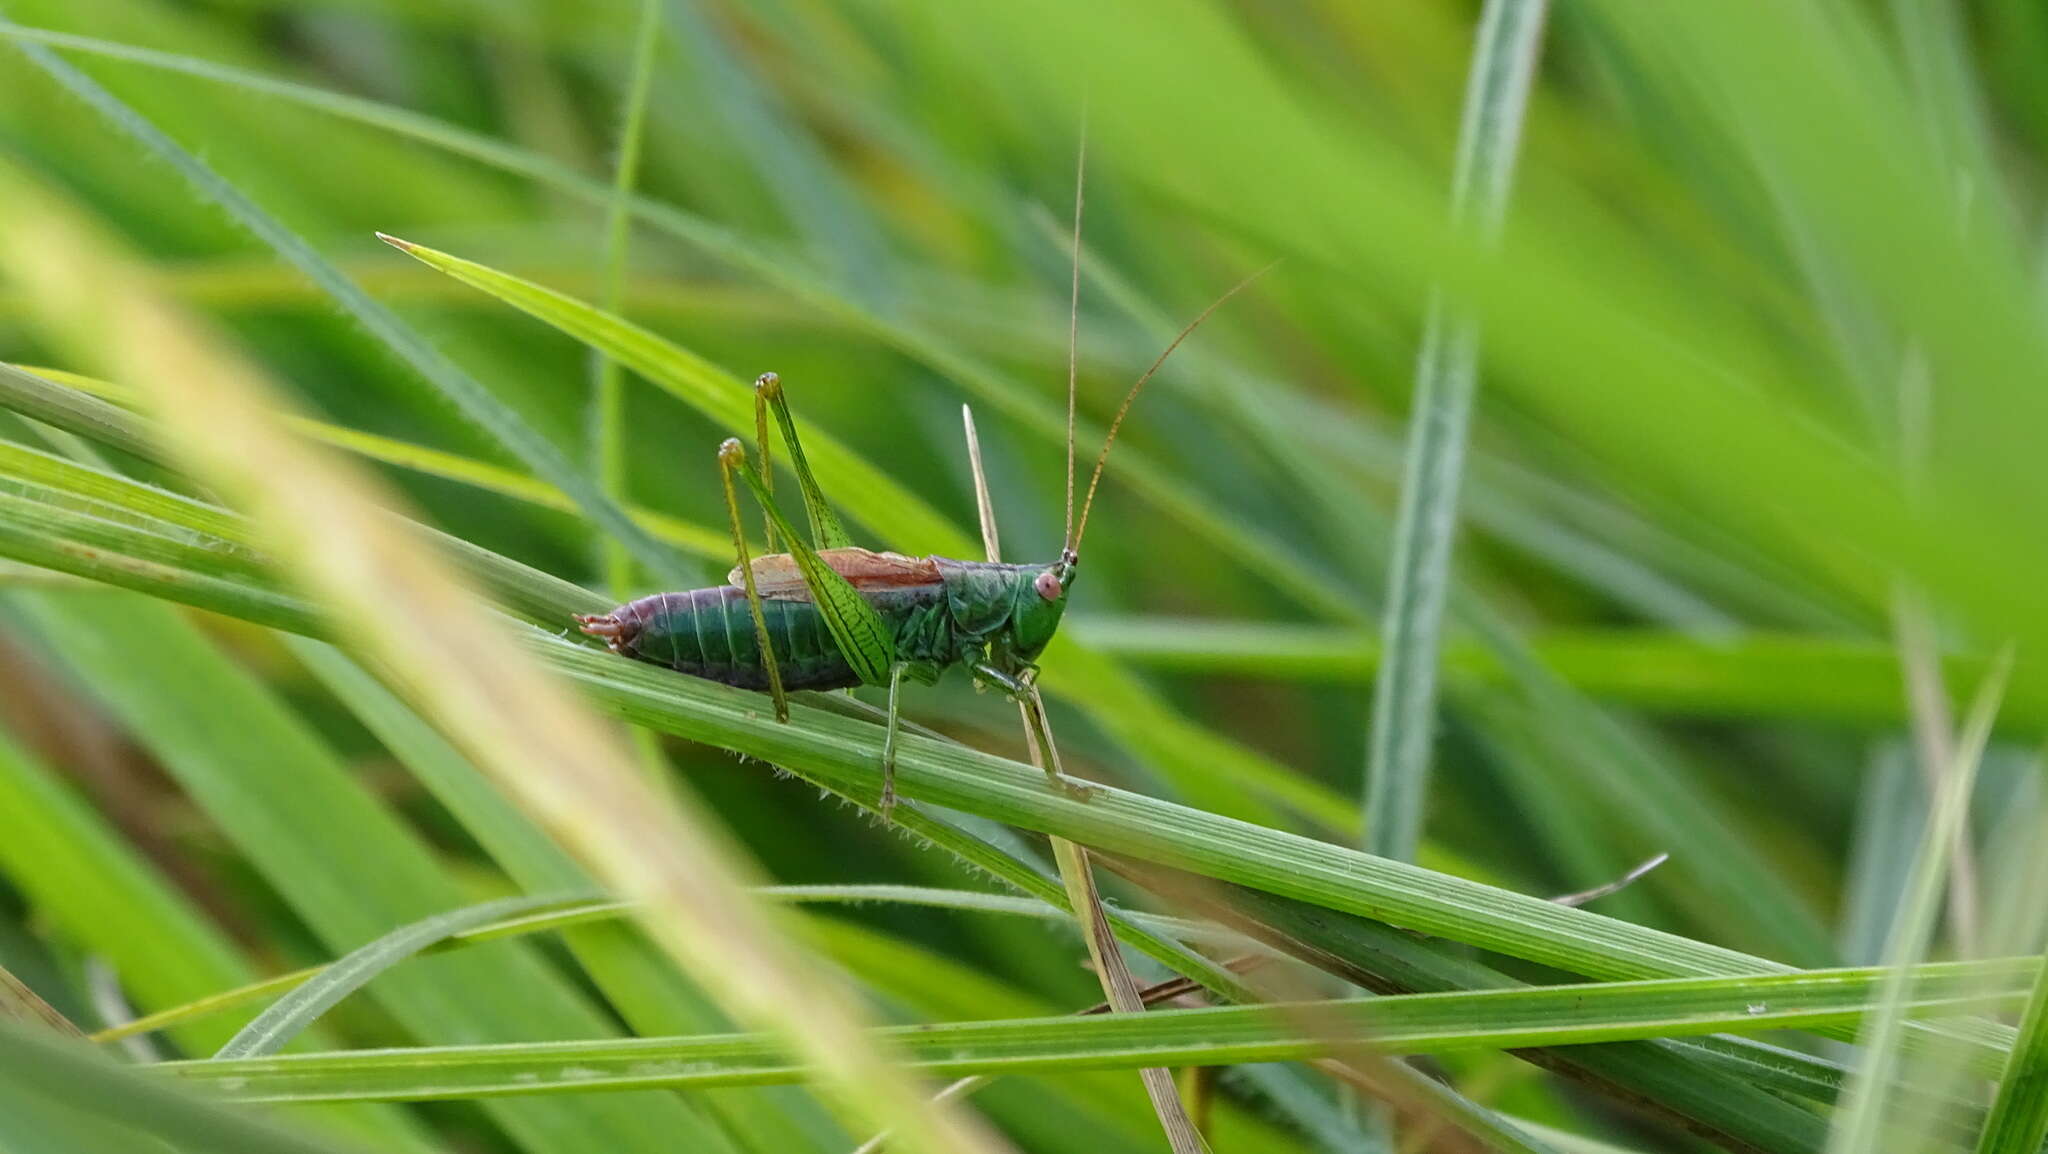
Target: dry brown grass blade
400	608
20	1004
1117	983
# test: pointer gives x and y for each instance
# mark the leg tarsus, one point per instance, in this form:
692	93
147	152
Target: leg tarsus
1074	787
1023	690
890	728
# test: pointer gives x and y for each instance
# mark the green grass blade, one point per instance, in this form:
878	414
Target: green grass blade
839	752
870	495
73	1077
68	409
580	914
465	392
290	1015
53	539
608	385
1446	379
1860	1125
2018	1122
1754	674
1412	1023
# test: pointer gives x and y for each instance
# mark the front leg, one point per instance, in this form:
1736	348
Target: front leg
1022	688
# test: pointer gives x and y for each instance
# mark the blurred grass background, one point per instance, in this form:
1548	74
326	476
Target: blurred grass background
1760	399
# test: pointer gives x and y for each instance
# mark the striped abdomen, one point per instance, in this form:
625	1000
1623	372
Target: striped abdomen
709	633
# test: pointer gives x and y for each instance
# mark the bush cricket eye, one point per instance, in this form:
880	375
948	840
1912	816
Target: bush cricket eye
1048	586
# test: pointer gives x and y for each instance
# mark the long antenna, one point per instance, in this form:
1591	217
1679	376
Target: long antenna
1074	543
1074	317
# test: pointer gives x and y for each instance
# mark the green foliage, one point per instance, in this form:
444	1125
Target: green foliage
1760	342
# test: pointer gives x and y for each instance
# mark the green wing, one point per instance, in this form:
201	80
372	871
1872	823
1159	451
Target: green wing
862	637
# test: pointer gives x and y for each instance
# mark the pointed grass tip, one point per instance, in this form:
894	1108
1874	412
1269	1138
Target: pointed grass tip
398	243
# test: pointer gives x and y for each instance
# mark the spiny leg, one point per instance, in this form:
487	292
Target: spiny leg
763	385
826	531
1037	727
732	456
858	630
894	723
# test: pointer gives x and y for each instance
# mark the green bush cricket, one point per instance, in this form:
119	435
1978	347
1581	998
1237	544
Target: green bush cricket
830	615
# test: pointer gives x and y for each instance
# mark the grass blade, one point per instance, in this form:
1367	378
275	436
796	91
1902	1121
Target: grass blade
586	913
290	1015
608	385
1860	1126
2018	1122
1118	986
1446	379
1410	1023
74	1077
24	1007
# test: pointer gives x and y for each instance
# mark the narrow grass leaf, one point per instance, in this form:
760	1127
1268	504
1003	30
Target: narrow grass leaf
2018	1122
71	1076
1412	1023
870	495
290	1015
1860	1126
23	1006
1078	876
608	384
47	394
1403	722
590	912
